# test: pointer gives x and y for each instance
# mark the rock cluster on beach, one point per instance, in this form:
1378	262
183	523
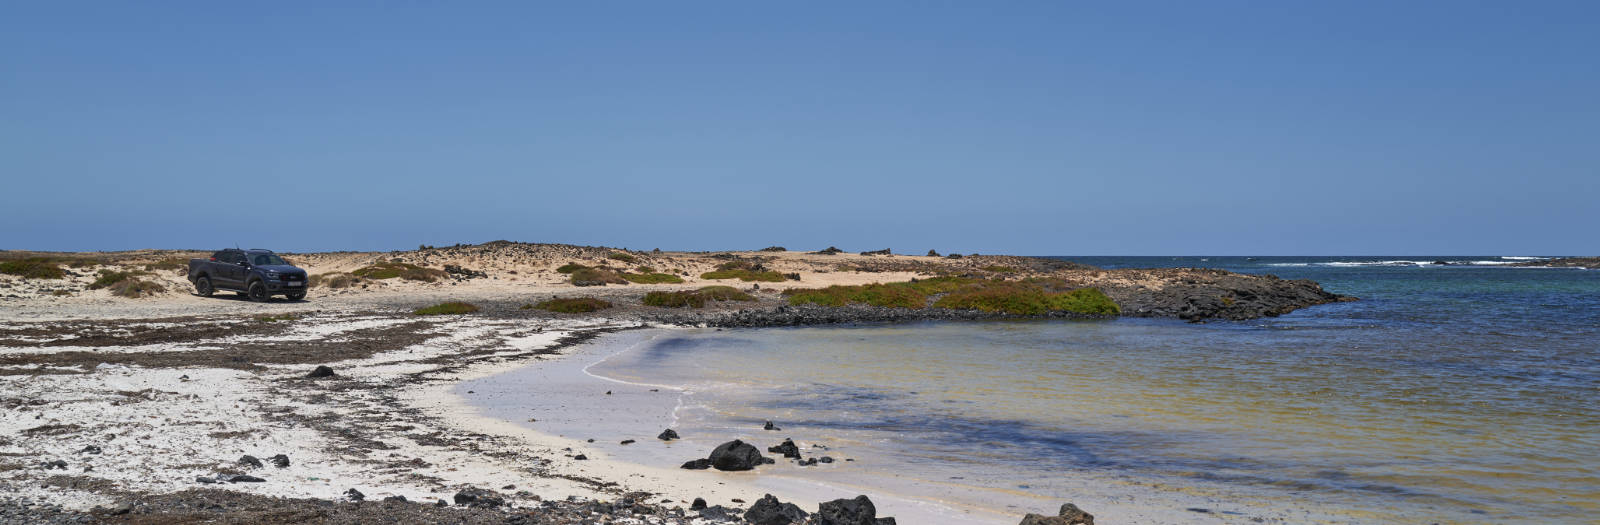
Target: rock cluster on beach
1068	515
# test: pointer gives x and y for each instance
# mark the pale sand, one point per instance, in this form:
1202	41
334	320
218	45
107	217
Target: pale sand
672	483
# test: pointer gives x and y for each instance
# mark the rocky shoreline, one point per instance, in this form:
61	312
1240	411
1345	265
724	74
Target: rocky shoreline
1565	262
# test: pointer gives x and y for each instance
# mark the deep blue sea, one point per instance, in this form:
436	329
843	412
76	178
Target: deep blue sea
1454	393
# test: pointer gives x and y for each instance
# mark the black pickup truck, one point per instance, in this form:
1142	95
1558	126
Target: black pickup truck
258	274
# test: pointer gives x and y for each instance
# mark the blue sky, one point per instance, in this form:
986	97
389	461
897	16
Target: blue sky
1120	128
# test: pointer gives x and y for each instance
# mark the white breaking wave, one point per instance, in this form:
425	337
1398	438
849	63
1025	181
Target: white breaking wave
1424	264
1518	258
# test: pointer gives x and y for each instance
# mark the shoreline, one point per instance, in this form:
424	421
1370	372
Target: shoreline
608	460
171	392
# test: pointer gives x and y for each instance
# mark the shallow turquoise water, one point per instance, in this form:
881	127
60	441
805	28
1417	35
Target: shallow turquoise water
1449	393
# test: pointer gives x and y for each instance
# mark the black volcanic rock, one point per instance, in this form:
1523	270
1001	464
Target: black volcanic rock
481	498
858	511
787	449
769	511
736	455
1068	515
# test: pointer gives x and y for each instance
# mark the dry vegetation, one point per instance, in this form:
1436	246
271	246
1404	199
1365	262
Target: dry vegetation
572	305
450	308
695	298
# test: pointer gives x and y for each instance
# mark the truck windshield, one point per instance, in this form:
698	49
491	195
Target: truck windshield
266	259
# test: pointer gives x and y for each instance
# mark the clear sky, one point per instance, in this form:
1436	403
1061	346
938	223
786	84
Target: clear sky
1119	128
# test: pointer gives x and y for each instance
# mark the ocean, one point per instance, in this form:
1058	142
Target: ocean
1450	393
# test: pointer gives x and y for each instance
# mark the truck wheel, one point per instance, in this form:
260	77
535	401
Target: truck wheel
258	292
296	296
202	286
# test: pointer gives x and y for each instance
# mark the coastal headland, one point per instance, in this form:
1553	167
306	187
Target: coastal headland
129	399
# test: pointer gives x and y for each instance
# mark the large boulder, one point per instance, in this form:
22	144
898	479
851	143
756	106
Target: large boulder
1068	515
736	455
858	511
769	511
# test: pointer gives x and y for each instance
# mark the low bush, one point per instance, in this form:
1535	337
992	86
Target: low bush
570	267
652	278
135	288
170	263
745	275
451	308
740	265
724	293
622	257
573	305
333	280
33	268
774	249
912	294
695	298
109	277
409	272
674	299
1026	299
960	293
1085	301
596	277
893	295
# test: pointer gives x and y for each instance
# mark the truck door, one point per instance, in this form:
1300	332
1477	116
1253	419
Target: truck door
232	268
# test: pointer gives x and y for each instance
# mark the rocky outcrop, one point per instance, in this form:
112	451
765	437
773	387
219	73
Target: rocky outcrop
1566	262
1068	515
1200	294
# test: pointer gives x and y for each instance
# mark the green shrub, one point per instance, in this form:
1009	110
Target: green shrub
622	257
724	293
695	298
596	277
745	275
738	265
1085	301
33	268
959	293
893	295
674	299
652	278
108	278
570	267
409	272
573	305
1026	299
451	308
